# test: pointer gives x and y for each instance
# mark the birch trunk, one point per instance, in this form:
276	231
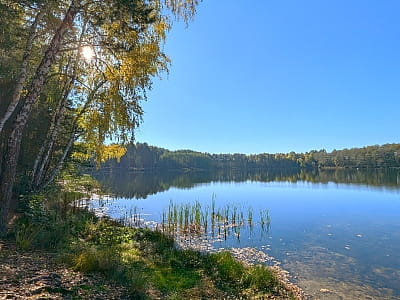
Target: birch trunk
16	96
46	150
7	178
60	163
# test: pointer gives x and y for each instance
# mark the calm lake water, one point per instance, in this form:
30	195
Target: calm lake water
336	232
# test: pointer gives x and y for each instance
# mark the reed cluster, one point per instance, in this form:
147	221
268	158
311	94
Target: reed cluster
196	220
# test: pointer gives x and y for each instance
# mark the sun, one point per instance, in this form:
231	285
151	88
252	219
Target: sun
87	53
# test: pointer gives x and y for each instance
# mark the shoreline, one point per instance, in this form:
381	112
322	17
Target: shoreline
249	256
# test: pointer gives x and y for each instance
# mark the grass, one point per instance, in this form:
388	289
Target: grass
146	261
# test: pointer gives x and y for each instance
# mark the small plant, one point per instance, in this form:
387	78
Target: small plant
26	234
229	272
262	279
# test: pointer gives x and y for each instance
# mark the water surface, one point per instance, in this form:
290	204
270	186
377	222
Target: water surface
336	232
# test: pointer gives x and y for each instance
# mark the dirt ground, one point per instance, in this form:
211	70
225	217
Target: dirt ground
36	275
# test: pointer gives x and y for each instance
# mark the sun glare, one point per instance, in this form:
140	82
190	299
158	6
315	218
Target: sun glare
87	53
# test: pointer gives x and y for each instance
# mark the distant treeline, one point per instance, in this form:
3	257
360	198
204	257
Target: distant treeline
141	156
123	183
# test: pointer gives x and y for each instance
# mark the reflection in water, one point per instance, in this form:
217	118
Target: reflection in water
338	231
140	185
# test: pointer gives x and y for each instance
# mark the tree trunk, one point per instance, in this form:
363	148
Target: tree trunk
16	96
60	163
46	150
8	174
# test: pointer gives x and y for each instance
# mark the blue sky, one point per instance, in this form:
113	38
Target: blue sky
279	76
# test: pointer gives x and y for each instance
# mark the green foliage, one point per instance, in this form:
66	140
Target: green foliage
94	258
32	223
259	278
26	234
34	211
105	234
169	279
153	240
228	272
49	223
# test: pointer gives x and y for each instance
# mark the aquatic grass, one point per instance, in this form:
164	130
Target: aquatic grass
180	218
234	215
193	222
237	233
185	221
213	214
265	219
250	216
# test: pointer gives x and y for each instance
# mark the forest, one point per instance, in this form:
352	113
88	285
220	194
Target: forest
141	157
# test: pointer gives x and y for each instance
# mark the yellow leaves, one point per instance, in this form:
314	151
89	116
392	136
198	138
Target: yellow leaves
135	68
128	55
79	155
100	152
112	151
161	28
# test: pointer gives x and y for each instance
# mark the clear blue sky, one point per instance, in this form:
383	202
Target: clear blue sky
279	76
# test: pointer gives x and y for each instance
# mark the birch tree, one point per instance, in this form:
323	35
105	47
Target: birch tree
104	54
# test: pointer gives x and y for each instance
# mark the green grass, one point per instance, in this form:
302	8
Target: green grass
146	261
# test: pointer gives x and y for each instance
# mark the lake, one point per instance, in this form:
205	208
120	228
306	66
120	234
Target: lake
337	231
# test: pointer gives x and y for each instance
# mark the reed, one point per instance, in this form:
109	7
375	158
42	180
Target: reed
186	221
250	216
189	220
265	219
